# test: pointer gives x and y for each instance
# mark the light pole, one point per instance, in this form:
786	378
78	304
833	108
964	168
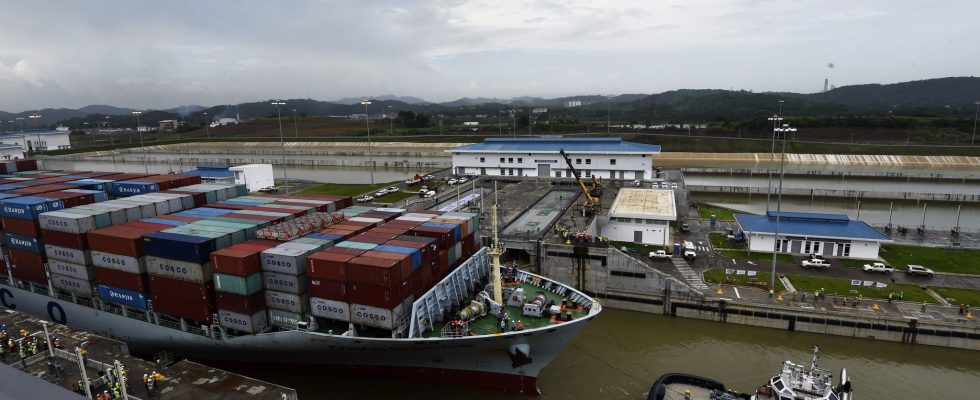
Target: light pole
109	132
772	155
391	123
977	114
282	145
21	119
608	111
367	122
140	133
295	126
785	130
207	126
37	132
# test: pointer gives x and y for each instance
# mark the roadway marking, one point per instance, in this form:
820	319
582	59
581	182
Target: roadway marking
736	292
692	278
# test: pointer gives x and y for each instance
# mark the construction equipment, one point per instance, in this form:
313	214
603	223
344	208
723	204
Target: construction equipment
592	202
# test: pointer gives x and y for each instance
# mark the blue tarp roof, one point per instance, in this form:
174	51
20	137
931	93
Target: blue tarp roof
210	173
810	225
554	144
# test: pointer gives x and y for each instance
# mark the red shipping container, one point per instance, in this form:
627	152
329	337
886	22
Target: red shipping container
444	236
263	218
404	261
177	218
328	289
120	279
27	266
237	262
419	284
64	239
374	271
399	224
442	262
428	250
126	241
26	165
294	213
149	226
21	227
182	299
386	229
264	243
241	304
328	265
3	263
381	216
371	237
344	250
380	296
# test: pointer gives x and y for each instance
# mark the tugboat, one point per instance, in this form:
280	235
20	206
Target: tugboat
794	382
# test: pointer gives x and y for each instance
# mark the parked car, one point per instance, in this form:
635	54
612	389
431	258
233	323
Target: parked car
821	264
365	198
673	186
878	267
815	256
665	185
427	177
685	228
659	255
451	181
392	189
269	189
461	180
636	183
429	194
913	269
690	254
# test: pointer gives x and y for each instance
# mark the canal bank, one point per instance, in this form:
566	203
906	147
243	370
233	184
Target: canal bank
626	283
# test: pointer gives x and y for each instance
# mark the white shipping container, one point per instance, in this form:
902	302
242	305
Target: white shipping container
414	219
118	262
288	258
377	317
294	284
71	270
116	214
66	222
284	319
375	221
178	269
287	301
72	285
253	176
75	256
146	209
389	209
254	323
330	309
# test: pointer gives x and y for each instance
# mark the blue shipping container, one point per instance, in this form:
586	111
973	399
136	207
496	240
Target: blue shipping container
178	247
31	244
25	207
92	184
132	188
456	228
122	296
10	186
326	236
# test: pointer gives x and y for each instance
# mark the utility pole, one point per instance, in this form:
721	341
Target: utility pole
785	130
975	115
772	155
207	126
282	145
367	121
140	133
295	126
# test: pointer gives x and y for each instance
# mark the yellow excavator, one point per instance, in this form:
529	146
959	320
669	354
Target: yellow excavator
592	201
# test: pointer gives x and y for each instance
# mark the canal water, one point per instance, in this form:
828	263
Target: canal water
621	353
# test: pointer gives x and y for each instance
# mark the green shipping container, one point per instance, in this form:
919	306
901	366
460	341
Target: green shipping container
238	285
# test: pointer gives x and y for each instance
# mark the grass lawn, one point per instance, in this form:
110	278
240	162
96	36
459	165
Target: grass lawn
720	241
960	296
722	214
642	249
841	286
965	261
345	189
761	281
756	256
393	197
851	263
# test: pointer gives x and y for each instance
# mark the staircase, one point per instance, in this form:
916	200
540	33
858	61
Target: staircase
692	278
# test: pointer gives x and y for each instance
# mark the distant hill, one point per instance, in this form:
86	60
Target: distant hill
387	97
928	93
105	110
185	110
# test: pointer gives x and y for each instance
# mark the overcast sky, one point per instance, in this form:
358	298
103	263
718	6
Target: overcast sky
160	54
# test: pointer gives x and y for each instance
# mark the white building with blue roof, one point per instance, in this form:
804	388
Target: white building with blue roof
603	157
831	235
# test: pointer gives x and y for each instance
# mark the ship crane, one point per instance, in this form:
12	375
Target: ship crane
592	201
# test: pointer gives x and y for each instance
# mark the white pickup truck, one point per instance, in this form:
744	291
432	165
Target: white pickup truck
878	267
659	255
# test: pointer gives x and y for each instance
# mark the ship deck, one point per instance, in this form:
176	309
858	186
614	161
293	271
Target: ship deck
489	325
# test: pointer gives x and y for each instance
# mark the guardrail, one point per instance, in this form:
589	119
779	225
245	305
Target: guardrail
851	194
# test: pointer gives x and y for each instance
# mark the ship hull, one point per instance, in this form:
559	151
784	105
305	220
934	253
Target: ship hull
510	361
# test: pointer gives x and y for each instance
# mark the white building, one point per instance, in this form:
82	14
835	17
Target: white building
11	151
832	235
641	216
254	176
33	141
604	157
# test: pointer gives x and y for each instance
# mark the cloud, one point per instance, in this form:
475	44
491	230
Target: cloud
163	54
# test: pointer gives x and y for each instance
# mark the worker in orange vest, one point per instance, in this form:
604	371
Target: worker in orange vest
520	326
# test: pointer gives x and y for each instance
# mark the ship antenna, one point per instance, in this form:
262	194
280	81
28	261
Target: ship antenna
813	364
495	252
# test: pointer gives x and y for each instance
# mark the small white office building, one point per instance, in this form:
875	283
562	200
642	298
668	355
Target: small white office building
641	216
831	235
603	157
254	176
29	142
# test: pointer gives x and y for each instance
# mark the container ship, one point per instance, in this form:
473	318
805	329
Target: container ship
209	272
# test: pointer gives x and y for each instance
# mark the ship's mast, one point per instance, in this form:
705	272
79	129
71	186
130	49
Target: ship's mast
495	252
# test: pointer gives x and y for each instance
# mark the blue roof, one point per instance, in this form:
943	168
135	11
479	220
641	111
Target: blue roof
809	225
554	144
